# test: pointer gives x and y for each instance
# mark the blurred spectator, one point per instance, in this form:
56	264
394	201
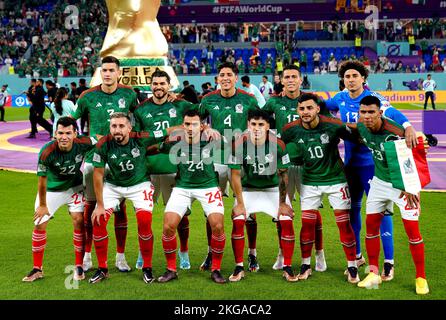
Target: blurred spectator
189	93
278	86
252	89
333	65
316	58
266	88
3	95
389	86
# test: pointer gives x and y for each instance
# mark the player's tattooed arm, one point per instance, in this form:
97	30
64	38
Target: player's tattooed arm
42	209
236	182
284	208
98	183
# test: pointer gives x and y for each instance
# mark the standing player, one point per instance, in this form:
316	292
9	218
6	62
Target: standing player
283	108
100	103
124	152
227	110
262	189
375	131
60	182
154	114
196	179
358	159
314	138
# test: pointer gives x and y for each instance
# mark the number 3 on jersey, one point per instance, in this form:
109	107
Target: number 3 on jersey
212	197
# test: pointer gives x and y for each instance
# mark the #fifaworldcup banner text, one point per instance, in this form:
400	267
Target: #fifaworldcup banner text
396	97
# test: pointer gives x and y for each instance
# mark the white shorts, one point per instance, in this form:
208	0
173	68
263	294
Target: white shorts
262	200
73	197
181	199
88	180
382	194
338	195
141	195
224	176
294	180
163	184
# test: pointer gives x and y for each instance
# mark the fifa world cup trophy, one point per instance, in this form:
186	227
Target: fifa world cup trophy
135	38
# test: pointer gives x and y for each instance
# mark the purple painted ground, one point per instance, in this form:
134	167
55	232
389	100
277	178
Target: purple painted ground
27	161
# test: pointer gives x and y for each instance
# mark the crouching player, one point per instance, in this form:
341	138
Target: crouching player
196	179
314	139
263	188
124	152
60	182
375	131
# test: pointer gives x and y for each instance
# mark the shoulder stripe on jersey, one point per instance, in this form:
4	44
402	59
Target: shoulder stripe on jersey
83	140
295	123
103	140
330	120
51	148
281	143
393	128
145	101
123	86
212	93
92	89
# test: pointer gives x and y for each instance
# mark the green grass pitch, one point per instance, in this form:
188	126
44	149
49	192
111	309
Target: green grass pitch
17	206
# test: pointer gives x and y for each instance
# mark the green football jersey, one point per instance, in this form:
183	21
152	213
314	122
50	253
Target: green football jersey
150	116
195	165
318	150
389	131
100	105
283	109
126	162
230	114
260	163
63	169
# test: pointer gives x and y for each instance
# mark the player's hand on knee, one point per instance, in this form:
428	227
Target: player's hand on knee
286	210
239	210
98	213
41	211
411	137
411	199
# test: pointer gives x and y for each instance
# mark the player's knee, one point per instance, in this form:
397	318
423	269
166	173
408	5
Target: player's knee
78	220
41	227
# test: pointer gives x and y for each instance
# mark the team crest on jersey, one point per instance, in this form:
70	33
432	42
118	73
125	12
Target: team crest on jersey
121	103
79	158
269	158
239	108
325	139
135	152
206	153
96	157
173	113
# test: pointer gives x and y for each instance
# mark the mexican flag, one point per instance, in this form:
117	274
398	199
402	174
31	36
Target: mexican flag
408	168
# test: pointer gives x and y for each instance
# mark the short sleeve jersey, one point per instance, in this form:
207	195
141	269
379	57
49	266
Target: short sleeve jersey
195	166
228	113
284	111
150	116
126	162
389	131
259	163
63	168
318	149
100	105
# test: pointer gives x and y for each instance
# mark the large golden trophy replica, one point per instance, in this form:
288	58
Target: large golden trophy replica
135	38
